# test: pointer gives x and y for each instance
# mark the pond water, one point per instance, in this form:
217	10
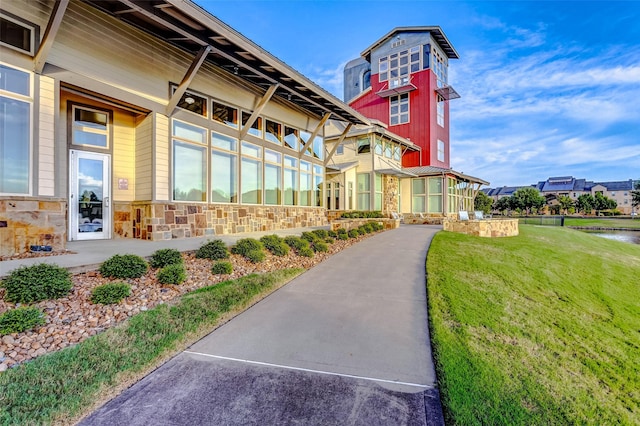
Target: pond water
626	236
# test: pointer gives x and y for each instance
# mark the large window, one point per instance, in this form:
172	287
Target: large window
224	169
377	202
15	131
440	111
435	195
441	153
418	195
318	176
306	195
398	66
17	34
439	63
364	191
90	127
290	181
189	162
224	114
251	173
399	109
272	177
426	195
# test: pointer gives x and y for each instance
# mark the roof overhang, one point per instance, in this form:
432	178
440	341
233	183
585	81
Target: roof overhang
447	93
186	25
334	169
398	90
435	31
401	173
439	171
379	130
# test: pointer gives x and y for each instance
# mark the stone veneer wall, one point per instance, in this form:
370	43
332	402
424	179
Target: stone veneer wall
25	221
349	224
164	221
484	228
391	185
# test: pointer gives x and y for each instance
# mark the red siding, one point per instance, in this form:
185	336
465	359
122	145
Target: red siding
422	129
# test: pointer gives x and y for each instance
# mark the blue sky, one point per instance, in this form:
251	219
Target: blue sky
548	88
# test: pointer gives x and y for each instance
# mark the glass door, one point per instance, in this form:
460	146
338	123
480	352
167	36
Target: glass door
89	196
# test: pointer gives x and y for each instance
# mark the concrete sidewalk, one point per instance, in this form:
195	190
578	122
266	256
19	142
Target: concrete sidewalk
347	342
88	255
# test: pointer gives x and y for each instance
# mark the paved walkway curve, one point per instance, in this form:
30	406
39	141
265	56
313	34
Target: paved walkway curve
345	343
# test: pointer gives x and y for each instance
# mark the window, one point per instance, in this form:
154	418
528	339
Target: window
387	149
399	109
224	114
397	66
224	169
377	146
350	195
290	181
256	127
90	127
364	191
251	173
272	177
439	67
291	137
435	195
17	34
378	193
318	177
441	150
366	80
273	132
193	102
440	110
15	131
340	149
305	184
364	146
189	162
418	195
318	148
397	153
304	138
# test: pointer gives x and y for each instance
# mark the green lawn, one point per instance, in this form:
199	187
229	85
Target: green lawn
63	385
607	223
539	329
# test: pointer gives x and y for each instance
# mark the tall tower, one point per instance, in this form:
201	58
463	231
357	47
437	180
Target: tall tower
402	80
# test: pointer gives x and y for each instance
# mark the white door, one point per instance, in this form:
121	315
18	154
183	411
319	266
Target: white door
90	194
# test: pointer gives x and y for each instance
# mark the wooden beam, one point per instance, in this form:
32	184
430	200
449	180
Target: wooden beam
315	133
186	81
258	110
340	140
59	7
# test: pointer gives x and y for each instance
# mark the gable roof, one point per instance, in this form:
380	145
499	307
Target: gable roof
436	33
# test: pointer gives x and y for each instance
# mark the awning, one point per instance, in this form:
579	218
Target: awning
396	172
399	90
448	93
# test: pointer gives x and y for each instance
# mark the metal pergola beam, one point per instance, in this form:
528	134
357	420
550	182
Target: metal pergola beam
340	140
53	26
314	134
258	110
186	80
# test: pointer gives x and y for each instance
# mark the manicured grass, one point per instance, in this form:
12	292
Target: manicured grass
539	329
600	222
65	384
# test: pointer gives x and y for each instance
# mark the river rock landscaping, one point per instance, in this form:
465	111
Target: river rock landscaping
74	318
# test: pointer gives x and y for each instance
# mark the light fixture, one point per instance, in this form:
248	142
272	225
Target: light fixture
189	100
235	70
289	96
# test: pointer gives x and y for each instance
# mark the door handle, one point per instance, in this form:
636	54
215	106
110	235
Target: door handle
106	201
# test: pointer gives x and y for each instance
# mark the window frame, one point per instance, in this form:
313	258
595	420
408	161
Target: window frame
280	188
398	101
34	33
205	104
206	165
231	152
360	141
253	131
73	107
224	123
441	153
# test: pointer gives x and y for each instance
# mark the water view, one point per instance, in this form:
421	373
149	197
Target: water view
625	236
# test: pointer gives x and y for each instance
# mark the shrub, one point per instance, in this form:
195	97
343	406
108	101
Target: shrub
309	236
343	236
342	231
329	240
353	233
172	274
108	294
213	250
306	252
38	282
275	245
163	257
332	234
361	214
296	243
320	246
321	233
247	245
367	228
255	256
124	266
20	319
222	268
376	226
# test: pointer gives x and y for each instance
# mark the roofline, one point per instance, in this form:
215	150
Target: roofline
441	38
374	128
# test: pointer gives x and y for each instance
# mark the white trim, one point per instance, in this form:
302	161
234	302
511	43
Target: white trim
32	35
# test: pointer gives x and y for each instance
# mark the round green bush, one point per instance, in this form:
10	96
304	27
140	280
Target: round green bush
275	245
320	246
37	282
222	268
172	274
20	319
213	250
353	233
321	233
247	245
309	236
255	256
296	243
124	266
329	240
343	236
332	234
108	294
163	257
306	252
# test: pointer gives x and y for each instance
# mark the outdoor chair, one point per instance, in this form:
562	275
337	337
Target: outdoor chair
463	215
479	214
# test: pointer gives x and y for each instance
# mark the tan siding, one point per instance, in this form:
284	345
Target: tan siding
46	137
124	155
162	181
144	158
